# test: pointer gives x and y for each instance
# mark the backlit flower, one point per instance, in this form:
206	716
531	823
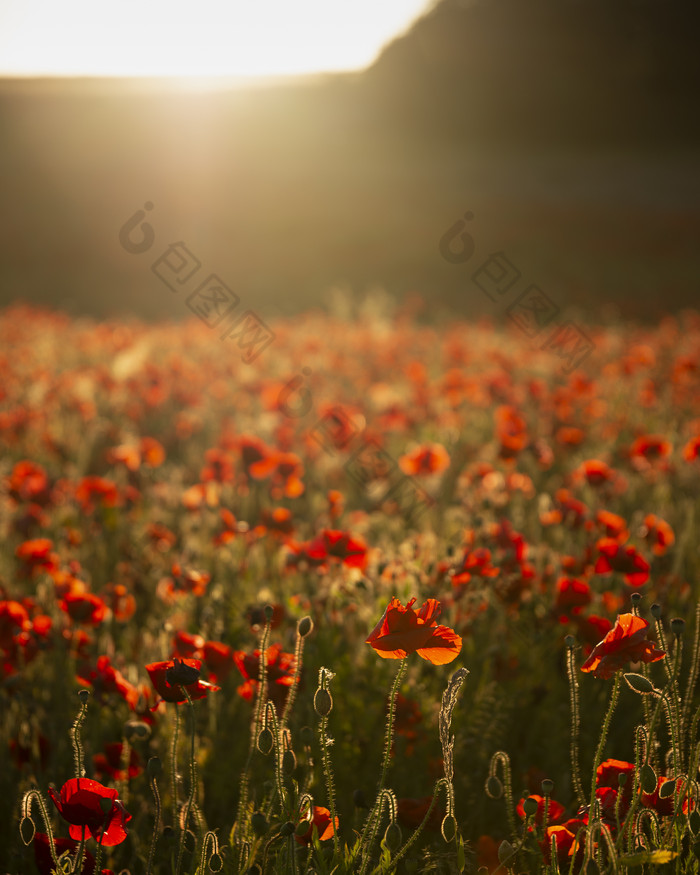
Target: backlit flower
165	682
80	804
404	630
625	642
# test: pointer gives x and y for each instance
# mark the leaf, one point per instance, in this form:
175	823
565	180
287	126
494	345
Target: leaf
461	859
654	857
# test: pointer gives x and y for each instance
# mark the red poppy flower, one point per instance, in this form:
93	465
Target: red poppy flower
625	642
186	645
80	805
403	630
91	488
648	448
658	534
218	659
426	459
87	608
567	845
183	581
511	431
321	819
624	560
608	774
280	674
691	451
615	526
332	544
474	562
218	467
158	672
106	679
554	812
572	594
109	763
595	472
28	482
37	554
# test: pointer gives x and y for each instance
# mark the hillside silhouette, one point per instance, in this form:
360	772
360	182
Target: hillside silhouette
568	129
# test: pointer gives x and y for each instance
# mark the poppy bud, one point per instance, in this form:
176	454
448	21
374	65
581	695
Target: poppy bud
547	786
265	741
27	830
83	695
639	683
305	626
154	767
622	779
530	806
181	674
448	828
677	626
269	613
636	598
494	787
259	823
694	821
215	863
323	702
656	611
392	836
287	829
648	778
169	834
570	642
307	736
289	761
667	788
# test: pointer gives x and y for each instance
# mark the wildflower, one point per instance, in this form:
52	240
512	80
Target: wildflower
279	667
44	860
554	810
106	679
109	763
403	630
658	534
332	544
425	459
572	595
161	675
626	642
321	819
80	804
624	560
87	608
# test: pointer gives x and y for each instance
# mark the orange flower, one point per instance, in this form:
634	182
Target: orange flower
426	459
403	630
595	472
321	819
625	642
658	533
624	560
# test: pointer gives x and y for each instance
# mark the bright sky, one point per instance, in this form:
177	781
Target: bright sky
198	37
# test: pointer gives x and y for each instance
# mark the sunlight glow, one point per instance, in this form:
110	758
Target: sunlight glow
210	38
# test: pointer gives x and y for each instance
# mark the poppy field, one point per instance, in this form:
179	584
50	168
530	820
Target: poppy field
394	596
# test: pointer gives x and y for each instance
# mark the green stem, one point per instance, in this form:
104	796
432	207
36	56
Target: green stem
156	825
193	781
372	823
575	725
604	734
441	782
173	769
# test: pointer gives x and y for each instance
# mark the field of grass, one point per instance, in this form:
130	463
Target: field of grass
172	506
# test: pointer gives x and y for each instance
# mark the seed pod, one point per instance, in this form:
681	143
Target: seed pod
323	702
648	778
305	626
289	761
265	741
392	837
494	787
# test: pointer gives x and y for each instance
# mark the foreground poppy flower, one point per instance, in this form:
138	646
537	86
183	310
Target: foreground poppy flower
625	642
403	630
321	819
80	804
165	681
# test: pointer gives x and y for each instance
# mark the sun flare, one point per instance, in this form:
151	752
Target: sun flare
215	38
